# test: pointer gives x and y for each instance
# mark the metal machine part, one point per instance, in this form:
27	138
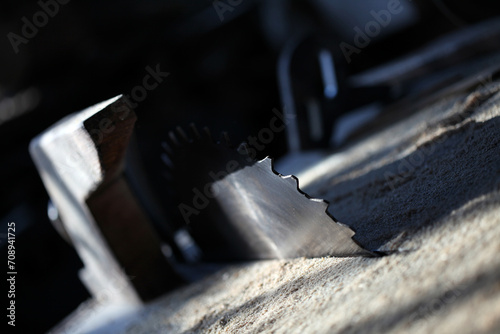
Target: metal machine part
254	212
238	208
272	218
80	160
307	90
315	91
320	121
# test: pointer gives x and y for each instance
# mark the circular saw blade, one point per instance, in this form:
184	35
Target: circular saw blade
238	208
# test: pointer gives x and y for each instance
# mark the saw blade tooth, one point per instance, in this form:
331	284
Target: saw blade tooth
166	148
207	133
224	138
173	139
319	202
195	131
167	161
267	162
349	247
290	179
294	181
182	135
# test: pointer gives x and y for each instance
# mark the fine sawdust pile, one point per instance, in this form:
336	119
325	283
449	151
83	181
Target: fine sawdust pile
426	189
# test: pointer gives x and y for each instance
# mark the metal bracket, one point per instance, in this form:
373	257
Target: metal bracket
80	160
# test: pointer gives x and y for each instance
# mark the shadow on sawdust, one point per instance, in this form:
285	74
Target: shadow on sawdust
434	303
424	187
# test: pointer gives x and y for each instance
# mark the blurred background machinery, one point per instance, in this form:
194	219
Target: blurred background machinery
334	66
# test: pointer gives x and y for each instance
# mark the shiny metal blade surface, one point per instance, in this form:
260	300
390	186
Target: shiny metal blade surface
274	219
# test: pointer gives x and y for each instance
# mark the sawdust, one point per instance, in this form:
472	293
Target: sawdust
429	190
